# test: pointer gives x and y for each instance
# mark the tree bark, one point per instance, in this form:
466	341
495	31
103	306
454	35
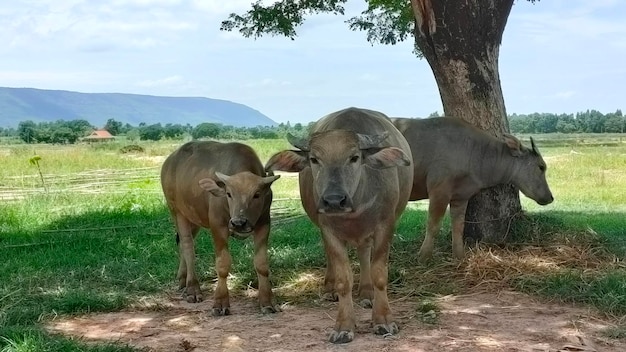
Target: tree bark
461	42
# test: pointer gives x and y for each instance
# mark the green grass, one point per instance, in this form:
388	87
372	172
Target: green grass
101	239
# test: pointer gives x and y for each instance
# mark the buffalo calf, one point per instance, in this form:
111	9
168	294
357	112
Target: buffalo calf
222	187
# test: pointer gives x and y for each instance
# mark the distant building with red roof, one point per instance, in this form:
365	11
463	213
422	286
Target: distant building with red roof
99	136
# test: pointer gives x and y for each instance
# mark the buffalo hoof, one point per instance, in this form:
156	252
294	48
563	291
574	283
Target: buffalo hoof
341	336
192	297
386	329
330	296
270	309
218	312
366	303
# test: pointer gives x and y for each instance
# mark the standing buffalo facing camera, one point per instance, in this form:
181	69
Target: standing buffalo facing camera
355	180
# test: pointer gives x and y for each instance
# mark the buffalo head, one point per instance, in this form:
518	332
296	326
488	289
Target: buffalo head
530	173
337	159
247	194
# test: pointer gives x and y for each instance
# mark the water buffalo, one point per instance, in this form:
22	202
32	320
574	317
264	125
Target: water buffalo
222	187
454	160
355	180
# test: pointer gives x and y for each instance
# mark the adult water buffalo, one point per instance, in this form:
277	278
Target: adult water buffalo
222	187
355	180
454	160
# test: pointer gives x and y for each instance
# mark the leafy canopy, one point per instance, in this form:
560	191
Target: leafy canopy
385	21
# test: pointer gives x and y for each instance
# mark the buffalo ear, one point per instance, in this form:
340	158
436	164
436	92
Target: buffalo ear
515	146
287	160
382	158
216	188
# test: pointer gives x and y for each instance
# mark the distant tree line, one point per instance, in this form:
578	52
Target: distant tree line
590	121
69	132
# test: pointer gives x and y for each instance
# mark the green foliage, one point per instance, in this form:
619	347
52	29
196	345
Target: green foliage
69	132
280	18
59	132
590	121
175	131
385	21
26	131
133	135
206	130
114	127
151	133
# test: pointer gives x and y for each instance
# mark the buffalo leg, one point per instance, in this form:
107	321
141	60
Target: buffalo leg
262	270
457	213
338	260
187	256
381	313
436	210
329	293
221	300
366	290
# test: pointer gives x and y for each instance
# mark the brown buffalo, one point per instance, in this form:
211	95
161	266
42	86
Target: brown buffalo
221	187
454	160
355	179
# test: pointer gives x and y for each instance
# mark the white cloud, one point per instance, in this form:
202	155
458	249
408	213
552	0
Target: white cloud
77	24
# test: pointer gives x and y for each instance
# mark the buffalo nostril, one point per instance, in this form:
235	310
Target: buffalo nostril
335	201
238	222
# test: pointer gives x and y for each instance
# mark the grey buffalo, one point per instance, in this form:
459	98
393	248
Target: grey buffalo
454	160
355	180
222	187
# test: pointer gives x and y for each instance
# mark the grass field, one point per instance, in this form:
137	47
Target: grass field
91	233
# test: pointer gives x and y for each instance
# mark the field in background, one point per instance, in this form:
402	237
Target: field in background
91	233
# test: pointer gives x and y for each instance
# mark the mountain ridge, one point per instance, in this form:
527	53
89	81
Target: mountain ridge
43	105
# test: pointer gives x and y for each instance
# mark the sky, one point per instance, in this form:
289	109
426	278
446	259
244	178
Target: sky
557	56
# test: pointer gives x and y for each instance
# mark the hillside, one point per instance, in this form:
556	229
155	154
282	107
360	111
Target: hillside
38	105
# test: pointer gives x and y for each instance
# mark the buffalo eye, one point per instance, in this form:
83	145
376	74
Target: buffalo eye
256	195
314	160
354	159
542	168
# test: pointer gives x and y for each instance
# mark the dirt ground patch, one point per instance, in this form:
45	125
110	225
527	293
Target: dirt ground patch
502	321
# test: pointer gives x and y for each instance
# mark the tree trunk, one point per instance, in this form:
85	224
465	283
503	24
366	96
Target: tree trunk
461	42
